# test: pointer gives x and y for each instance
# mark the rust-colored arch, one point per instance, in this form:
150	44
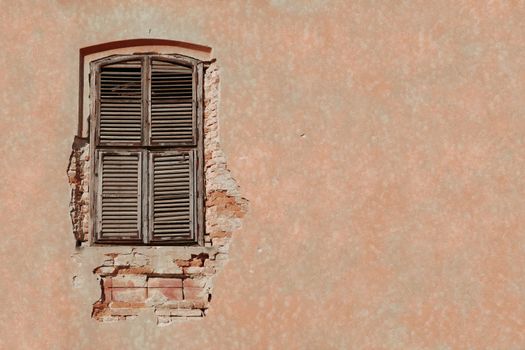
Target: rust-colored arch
112	45
120	44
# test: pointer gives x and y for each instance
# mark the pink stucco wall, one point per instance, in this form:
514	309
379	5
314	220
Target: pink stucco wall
381	145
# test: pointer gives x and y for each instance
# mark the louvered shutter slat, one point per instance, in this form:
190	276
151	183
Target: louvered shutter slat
172	110
121	103
172	193
119	204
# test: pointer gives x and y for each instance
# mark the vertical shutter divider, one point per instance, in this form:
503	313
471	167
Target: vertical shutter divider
151	178
140	205
146	98
199	191
93	126
98	189
193	194
145	196
96	104
146	136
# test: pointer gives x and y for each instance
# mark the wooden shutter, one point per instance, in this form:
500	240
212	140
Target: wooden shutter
147	136
172	104
120	103
119	196
172	191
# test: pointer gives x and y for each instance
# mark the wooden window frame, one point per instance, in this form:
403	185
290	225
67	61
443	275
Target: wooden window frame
196	148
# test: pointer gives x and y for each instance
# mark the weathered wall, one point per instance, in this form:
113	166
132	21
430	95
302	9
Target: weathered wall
380	144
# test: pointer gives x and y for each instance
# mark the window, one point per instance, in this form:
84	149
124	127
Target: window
146	128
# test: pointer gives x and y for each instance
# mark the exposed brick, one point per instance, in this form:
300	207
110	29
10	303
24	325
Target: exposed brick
194	293
100	309
129	294
194	282
178	312
132	281
221	199
167	293
154	282
186	312
123	304
136	270
106	297
124	311
105	270
182	263
161	311
201	303
178	304
111	318
155	298
196	262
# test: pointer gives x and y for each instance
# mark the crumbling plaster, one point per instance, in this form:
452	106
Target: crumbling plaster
175	282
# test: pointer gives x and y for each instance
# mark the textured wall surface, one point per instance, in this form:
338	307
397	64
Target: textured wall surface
380	143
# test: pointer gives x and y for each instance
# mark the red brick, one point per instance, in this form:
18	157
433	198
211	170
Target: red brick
194	293
142	270
194	282
122	304
100	309
200	304
129	294
182	263
168	293
105	270
130	281
154	282
106	285
178	304
179	312
196	262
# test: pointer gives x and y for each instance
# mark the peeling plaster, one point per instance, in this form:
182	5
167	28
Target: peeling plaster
169	282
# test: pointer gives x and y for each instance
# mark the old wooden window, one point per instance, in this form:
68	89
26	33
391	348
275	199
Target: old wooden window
146	128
